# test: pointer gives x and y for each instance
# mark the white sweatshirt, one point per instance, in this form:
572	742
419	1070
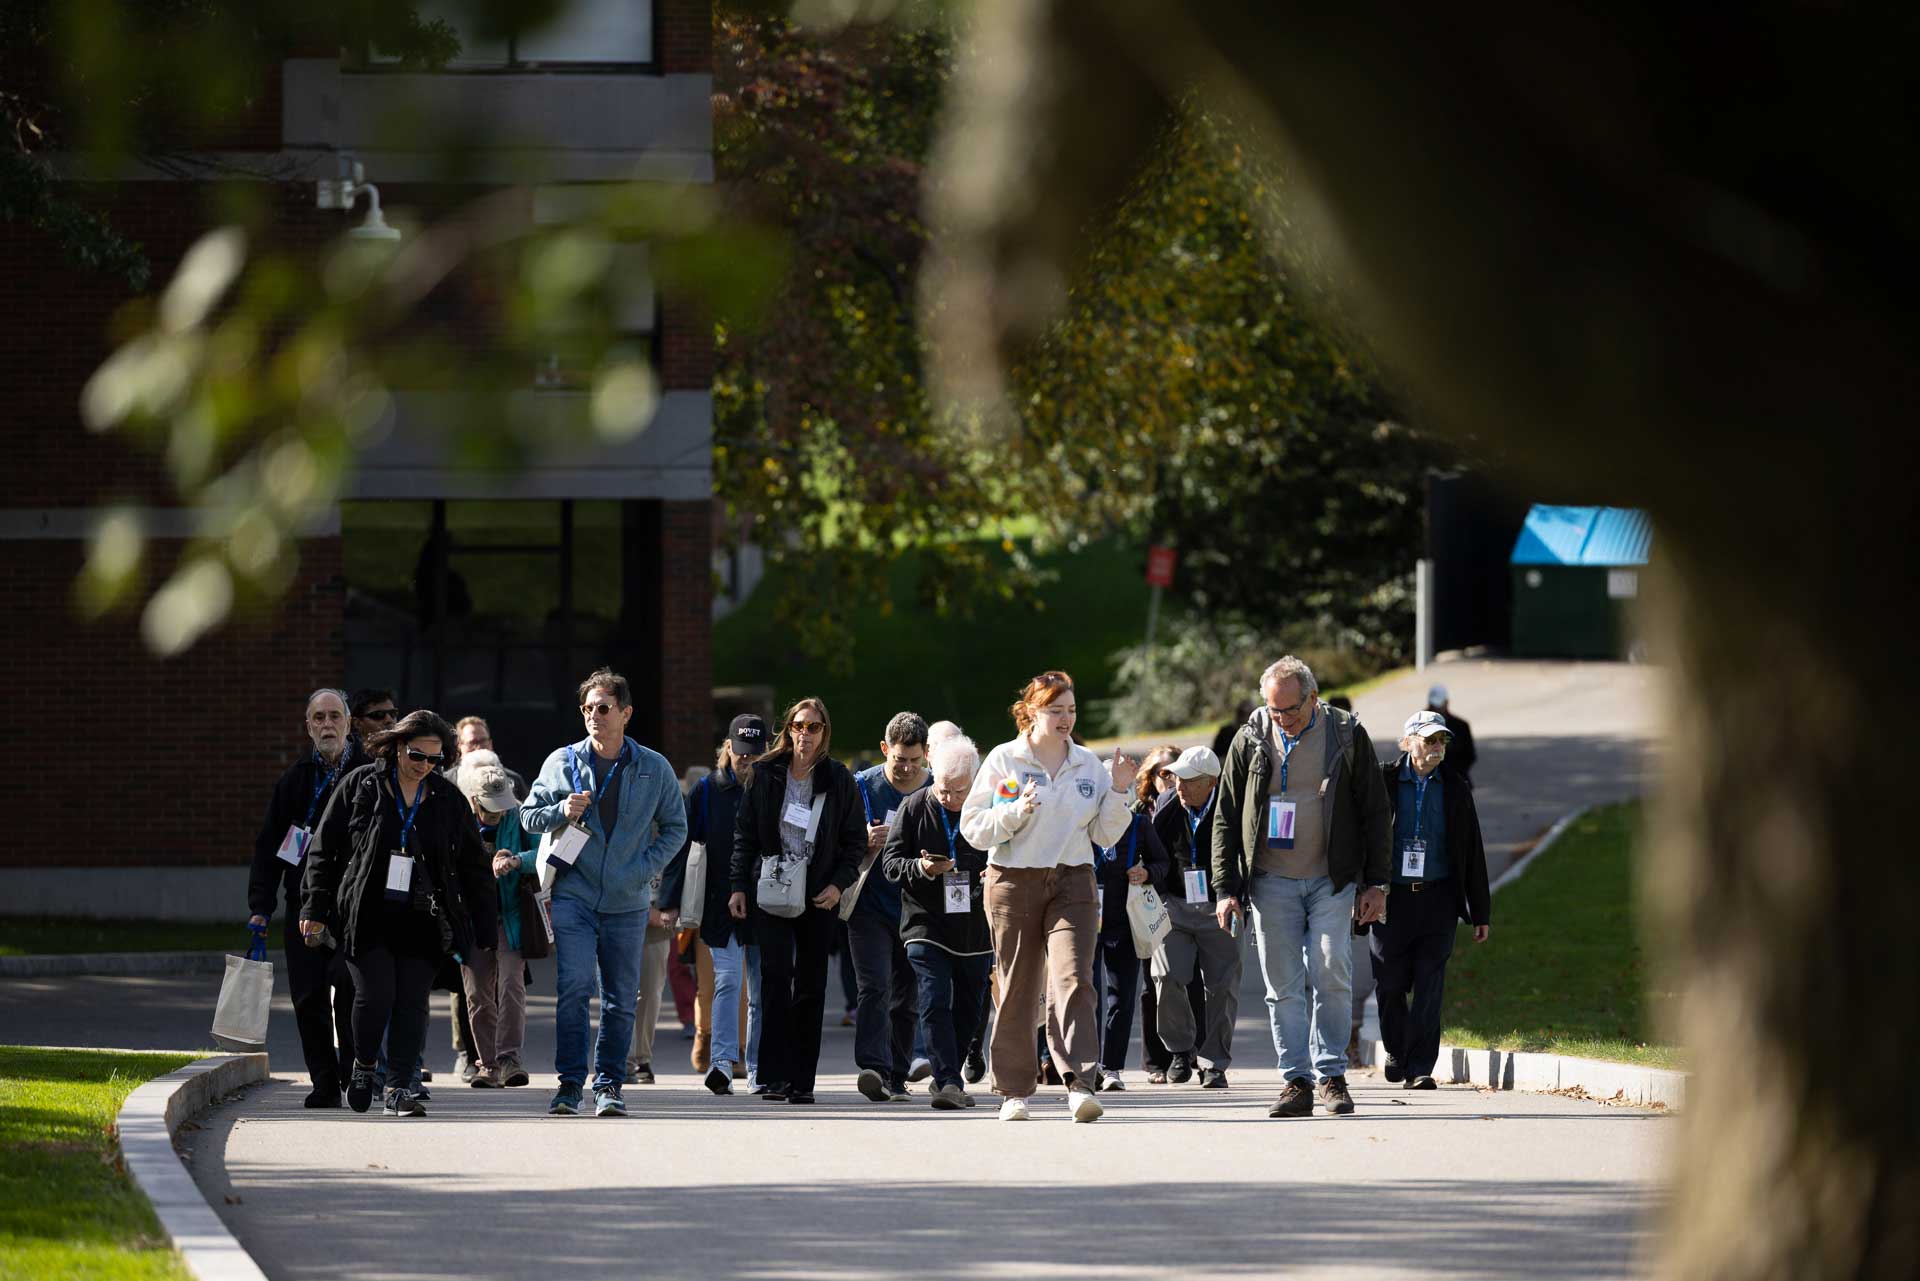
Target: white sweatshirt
1078	807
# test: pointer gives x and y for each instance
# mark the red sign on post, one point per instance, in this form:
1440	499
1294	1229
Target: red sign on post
1160	561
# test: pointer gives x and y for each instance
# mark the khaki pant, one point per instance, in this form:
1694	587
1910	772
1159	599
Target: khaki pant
1046	925
496	993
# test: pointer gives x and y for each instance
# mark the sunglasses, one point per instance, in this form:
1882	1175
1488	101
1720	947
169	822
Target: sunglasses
598	709
807	727
415	754
384	714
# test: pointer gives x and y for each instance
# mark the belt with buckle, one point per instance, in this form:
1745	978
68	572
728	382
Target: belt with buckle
1414	887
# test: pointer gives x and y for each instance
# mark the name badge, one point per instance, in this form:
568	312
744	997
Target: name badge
959	892
1280	819
888	820
796	815
1196	886
1413	860
293	846
399	877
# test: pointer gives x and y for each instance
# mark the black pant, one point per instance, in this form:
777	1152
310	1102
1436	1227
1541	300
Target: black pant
1153	1051
1410	954
847	985
886	1006
1116	972
950	1001
390	999
793	979
322	992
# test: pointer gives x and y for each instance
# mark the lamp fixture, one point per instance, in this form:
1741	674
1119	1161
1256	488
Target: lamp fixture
341	192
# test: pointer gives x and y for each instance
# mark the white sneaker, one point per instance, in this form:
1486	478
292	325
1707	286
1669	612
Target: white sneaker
920	1070
1016	1110
1111	1081
1083	1105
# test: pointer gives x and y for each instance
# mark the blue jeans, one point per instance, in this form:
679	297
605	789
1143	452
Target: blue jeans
585	940
753	1014
728	962
1302	931
950	988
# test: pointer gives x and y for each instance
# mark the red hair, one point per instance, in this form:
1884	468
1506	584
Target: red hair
1042	691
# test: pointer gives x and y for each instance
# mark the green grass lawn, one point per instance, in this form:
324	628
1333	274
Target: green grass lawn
1563	971
41	936
960	669
67	1209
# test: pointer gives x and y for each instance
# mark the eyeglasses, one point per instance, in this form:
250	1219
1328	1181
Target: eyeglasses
415	754
806	727
598	709
1288	711
381	714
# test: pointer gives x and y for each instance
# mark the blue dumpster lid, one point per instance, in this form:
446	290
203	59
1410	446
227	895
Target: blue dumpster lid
1583	536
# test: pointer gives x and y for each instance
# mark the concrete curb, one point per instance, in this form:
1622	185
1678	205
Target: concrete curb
1540	847
147	1123
113	963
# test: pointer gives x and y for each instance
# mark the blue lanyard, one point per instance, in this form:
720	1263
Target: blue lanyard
1193	826
1420	782
953	832
573	771
407	813
1107	852
320	788
1288	744
864	799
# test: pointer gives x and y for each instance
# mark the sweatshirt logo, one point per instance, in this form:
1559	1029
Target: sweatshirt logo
1086	789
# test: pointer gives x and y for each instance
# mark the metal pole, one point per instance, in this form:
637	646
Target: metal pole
1153	614
1422	613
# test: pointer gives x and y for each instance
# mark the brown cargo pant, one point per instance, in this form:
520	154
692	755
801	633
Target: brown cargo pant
1046	926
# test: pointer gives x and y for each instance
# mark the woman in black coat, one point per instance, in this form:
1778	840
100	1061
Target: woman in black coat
399	873
801	814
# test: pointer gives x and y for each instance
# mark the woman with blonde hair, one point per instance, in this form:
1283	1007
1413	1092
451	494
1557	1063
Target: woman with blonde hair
800	818
1039	805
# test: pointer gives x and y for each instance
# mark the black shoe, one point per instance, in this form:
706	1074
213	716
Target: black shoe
1180	1071
325	1095
1049	1075
871	1084
404	1103
897	1091
799	1097
1213	1078
1295	1100
1393	1071
360	1088
1334	1097
775	1094
1423	1083
976	1067
642	1075
719	1080
424	1076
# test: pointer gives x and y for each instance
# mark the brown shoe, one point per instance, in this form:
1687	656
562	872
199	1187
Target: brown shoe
702	1051
1295	1100
1353	1050
1334	1097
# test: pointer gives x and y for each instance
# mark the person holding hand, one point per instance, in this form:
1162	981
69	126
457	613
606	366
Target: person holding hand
801	807
943	920
1039	806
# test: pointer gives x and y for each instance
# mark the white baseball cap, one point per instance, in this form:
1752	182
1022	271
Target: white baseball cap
1436	696
1194	762
1427	724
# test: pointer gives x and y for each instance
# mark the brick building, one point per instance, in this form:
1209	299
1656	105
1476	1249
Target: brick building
459	591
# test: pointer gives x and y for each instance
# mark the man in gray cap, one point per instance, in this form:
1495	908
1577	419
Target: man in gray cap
1183	819
1461	755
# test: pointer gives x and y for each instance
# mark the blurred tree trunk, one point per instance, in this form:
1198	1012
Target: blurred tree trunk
1668	257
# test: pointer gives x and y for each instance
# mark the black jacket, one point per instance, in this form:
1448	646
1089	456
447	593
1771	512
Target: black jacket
840	842
923	899
1359	831
293	802
1466	851
1112	876
718	795
1170	824
346	866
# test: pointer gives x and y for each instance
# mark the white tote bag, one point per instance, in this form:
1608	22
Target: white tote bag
1149	918
693	892
246	995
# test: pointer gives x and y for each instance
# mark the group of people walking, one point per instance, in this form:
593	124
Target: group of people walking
1027	892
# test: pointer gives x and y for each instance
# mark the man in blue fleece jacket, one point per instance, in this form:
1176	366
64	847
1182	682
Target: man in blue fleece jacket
627	800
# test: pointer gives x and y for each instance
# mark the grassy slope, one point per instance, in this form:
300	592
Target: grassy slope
1564	971
66	1208
33	936
966	670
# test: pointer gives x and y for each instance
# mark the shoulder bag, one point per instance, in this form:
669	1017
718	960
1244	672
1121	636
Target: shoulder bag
693	891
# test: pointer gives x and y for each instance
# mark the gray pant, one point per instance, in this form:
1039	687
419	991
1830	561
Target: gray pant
1362	978
1197	939
496	993
653	982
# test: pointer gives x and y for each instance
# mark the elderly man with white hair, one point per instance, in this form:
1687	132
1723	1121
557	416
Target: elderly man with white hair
317	977
1199	943
1300	838
943	916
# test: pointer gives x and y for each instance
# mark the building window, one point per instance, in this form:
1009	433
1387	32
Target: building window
589	35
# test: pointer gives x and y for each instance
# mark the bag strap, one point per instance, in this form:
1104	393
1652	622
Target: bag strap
256	942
